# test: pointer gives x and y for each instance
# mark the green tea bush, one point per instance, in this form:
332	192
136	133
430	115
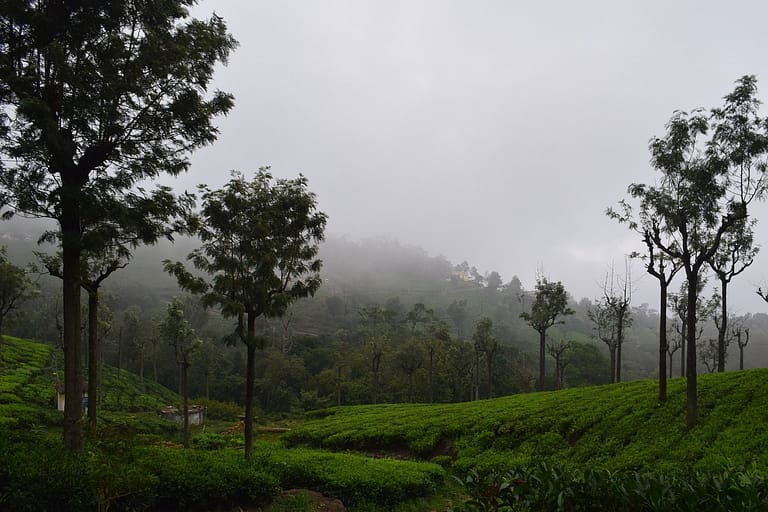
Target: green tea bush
355	478
209	441
215	410
550	488
204	480
37	474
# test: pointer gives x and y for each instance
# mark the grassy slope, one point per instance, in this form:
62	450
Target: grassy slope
27	385
27	398
614	427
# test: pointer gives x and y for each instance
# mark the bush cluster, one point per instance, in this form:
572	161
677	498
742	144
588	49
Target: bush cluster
550	488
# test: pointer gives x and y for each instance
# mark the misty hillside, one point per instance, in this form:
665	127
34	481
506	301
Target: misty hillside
359	275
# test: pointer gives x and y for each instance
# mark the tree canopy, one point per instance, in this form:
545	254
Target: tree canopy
259	249
712	166
550	302
97	98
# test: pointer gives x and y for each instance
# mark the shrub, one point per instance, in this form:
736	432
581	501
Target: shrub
552	488
215	410
203	480
37	474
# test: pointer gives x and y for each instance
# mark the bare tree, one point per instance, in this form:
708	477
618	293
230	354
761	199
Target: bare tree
617	296
605	330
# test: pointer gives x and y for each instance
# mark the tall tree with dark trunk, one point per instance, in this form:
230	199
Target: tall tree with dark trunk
259	245
97	98
736	253
550	302
664	271
95	268
711	170
660	266
742	339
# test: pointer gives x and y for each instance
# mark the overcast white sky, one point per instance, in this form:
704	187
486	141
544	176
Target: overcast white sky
495	132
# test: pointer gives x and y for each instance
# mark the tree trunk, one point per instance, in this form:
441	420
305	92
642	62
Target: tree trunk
723	325
141	363
690	361
338	386
663	341
73	378
93	356
185	396
250	377
612	356
670	365
683	341
154	363
741	358
431	386
619	342
542	367
489	363
476	386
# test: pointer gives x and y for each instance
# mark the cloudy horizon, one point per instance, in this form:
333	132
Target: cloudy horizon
492	132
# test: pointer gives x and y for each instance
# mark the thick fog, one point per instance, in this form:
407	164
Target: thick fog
494	132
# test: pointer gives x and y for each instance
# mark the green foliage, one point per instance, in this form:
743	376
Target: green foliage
15	288
27	392
39	474
210	441
206	479
216	410
354	478
616	427
550	301
125	391
550	488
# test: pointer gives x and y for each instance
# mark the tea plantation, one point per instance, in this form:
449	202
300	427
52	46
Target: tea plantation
599	448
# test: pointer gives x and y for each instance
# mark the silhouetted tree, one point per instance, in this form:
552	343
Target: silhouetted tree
704	192
95	267
550	302
735	255
97	98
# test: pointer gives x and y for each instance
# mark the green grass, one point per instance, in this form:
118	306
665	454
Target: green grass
615	427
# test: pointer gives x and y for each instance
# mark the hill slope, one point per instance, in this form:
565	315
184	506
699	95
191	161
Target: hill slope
616	427
30	370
